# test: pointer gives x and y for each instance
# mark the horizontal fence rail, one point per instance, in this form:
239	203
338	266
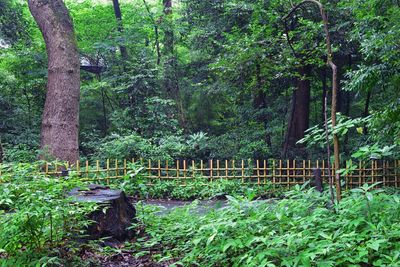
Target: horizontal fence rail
260	172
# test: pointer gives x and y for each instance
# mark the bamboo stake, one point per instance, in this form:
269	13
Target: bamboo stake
288	169
218	174
184	171
273	172
359	173
258	172
166	168
265	171
201	168
108	171
116	168
226	169
97	169
177	169
193	169
124	167
211	170
149	168
159	169
87	169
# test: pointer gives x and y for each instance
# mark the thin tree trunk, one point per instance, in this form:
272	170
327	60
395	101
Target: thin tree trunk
156	34
333	66
120	27
171	78
60	121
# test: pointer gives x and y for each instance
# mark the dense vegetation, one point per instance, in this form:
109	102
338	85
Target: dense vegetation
296	231
233	77
188	79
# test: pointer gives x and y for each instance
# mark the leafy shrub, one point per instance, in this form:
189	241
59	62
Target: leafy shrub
36	216
297	231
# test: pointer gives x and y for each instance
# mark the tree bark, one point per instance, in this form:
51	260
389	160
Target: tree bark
120	27
299	121
60	121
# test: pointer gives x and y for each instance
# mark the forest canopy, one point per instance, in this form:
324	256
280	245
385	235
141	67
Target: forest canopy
209	79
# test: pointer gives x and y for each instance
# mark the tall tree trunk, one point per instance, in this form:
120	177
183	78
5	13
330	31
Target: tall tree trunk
171	78
299	120
60	121
120	27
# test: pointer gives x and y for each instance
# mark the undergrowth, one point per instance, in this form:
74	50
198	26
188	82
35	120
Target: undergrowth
136	184
38	220
300	230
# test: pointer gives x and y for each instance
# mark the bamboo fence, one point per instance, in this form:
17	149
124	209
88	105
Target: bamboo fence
259	172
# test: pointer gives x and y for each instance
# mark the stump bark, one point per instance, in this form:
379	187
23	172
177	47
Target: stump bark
114	215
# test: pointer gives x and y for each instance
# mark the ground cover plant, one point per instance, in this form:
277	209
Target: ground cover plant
136	184
301	230
38	220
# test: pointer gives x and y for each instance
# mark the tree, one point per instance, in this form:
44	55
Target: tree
171	83
120	27
60	119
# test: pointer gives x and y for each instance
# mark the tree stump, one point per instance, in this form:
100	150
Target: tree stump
114	216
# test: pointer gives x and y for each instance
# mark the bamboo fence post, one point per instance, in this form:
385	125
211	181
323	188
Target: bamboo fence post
193	169
149	168
372	171
46	168
288	169
384	172
218	174
273	173
159	169
359	173
265	172
226	169
309	171
87	169
166	168
258	172
97	170
317	167
125	167
108	171
280	171
235	170
177	169
211	170
184	171
116	169
304	171
201	168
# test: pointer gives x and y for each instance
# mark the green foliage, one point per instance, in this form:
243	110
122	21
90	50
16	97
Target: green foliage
297	231
37	217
